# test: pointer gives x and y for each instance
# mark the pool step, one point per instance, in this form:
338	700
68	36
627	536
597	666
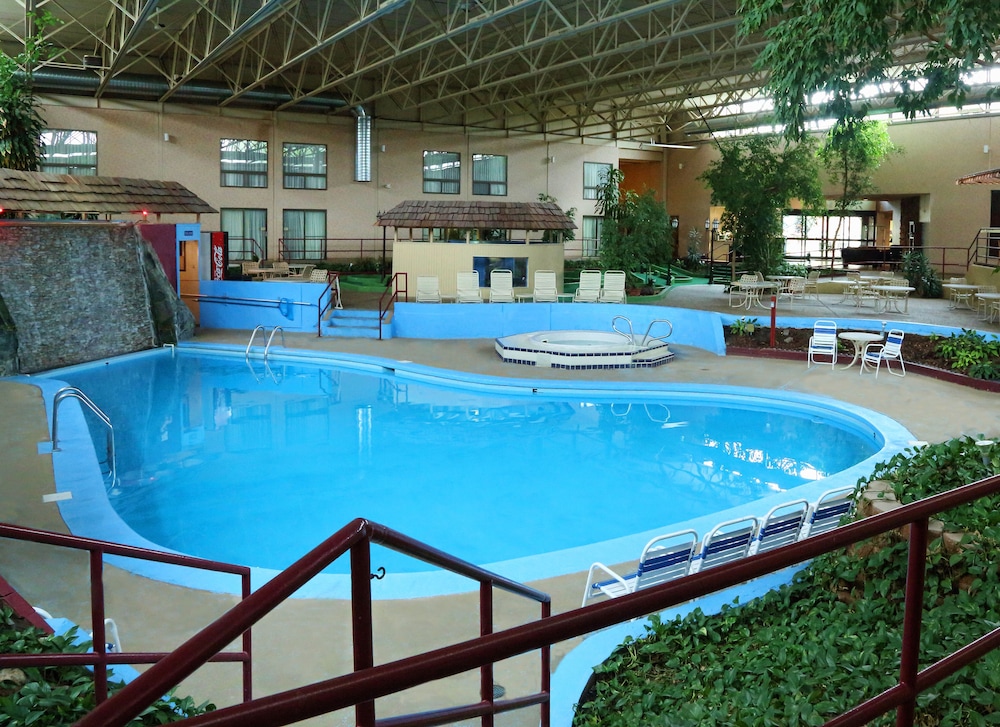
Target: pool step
355	323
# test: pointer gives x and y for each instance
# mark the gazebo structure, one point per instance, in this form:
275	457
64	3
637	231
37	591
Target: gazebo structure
451	239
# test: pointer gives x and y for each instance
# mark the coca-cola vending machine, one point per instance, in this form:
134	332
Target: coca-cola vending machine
219	249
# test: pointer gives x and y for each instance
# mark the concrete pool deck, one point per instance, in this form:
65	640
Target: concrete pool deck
307	640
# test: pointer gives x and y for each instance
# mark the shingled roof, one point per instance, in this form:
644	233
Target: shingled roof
474	215
40	192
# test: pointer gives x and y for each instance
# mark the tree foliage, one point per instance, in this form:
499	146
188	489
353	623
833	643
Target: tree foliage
636	230
755	179
839	46
21	125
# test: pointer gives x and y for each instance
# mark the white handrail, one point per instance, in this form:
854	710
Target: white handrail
250	342
270	338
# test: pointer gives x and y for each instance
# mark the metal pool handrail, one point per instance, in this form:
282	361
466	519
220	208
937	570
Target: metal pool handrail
73	392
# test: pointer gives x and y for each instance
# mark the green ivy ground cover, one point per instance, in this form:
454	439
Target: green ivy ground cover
811	650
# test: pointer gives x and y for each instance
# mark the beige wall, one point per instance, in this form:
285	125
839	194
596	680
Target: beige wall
131	143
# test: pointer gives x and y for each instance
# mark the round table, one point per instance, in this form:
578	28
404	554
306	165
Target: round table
860	339
892	294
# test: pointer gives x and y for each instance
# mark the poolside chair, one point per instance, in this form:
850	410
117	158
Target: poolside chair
467	288
877	353
545	287
739	290
794	288
725	543
781	526
823	342
589	290
665	558
831	507
501	286
613	289
318	276
811	287
428	289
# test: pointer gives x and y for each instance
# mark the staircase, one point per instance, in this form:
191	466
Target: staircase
721	272
354	323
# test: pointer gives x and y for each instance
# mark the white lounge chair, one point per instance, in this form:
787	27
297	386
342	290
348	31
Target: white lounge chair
811	287
823	342
878	353
589	289
739	290
545	287
501	286
467	288
831	507
781	526
725	543
613	289
428	289
665	558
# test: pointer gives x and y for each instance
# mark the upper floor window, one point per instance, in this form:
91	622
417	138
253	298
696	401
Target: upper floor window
243	163
442	172
489	174
70	152
594	175
304	166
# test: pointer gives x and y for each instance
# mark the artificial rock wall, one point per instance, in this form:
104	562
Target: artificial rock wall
82	291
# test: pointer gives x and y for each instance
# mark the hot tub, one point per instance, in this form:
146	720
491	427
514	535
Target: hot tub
582	350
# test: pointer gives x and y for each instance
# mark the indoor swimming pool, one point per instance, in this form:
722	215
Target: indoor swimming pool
253	463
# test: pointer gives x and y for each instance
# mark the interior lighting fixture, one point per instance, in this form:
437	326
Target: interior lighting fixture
666	146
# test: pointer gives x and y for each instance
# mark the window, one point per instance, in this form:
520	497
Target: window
304	166
247	230
518	267
594	175
243	163
70	152
442	172
304	234
591	241
489	174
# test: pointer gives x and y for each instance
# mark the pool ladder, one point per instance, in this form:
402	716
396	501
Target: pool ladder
646	339
71	392
270	339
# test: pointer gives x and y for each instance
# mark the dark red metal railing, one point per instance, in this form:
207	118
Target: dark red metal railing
357	538
397	285
100	659
328	299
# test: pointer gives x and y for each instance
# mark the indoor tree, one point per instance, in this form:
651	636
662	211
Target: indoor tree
21	125
851	153
755	178
837	47
636	229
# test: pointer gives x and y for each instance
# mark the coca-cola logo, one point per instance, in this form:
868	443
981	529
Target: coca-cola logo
217	268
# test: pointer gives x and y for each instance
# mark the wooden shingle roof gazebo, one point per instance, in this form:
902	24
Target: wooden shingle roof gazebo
39	192
527	216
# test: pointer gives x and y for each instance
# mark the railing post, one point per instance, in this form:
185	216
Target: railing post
361	623
97	624
916	566
485	629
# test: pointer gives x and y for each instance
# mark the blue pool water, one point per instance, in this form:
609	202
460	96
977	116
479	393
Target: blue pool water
256	465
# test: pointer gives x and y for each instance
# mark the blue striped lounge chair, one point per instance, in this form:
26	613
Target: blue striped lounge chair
781	526
823	342
725	543
665	558
831	507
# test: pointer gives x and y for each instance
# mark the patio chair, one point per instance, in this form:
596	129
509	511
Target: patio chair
613	289
738	292
781	526
428	289
831	507
665	558
983	304
318	276
467	287
811	287
823	342
878	353
545	287
794	288
589	289
501	286
961	297
725	543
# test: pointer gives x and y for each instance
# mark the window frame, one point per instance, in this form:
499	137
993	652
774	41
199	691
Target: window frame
76	169
443	183
240	176
493	187
319	179
591	191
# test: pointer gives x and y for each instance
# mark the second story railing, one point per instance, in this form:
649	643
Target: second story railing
331	248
